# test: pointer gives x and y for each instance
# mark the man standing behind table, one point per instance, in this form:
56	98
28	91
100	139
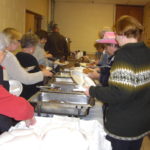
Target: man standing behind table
57	44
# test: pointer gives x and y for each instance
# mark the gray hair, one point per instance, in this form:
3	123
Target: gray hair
29	40
4	41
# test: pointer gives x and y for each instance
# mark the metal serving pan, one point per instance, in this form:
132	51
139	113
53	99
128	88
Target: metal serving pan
61	88
62	103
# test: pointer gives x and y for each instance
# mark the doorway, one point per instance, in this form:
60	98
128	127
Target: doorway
135	11
33	21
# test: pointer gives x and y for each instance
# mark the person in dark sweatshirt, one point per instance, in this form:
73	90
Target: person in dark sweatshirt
57	44
127	118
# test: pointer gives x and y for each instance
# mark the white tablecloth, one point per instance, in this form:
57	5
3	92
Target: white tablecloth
59	132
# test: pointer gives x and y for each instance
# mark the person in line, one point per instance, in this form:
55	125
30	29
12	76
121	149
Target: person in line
29	42
12	108
99	50
57	44
127	118
110	46
13	67
40	54
104	55
101	56
4	42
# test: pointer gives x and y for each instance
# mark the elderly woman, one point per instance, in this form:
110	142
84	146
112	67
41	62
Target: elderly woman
12	108
110	46
13	67
29	42
128	94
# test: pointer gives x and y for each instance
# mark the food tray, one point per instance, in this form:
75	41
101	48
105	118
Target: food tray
62	103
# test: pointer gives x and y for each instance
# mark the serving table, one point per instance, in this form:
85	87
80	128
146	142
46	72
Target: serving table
79	125
62	95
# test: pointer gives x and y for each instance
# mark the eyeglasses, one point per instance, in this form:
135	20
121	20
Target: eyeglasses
113	45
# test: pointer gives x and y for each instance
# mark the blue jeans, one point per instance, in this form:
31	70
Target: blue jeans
124	145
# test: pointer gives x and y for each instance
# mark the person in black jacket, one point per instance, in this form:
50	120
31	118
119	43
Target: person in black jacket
29	62
57	44
128	93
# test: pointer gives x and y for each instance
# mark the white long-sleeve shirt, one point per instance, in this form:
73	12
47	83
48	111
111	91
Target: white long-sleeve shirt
39	54
17	72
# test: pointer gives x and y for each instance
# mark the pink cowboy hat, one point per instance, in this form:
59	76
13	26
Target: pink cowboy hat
109	37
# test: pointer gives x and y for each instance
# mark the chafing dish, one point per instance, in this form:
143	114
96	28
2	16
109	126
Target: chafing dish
62	103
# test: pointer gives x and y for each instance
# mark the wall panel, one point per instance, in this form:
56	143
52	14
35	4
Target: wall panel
12	12
81	22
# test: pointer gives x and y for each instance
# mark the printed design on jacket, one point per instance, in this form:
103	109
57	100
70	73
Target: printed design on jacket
127	77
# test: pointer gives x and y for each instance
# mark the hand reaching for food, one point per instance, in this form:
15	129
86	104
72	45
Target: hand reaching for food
30	122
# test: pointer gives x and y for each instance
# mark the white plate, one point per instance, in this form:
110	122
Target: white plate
15	87
61	64
49	68
64	80
78	69
83	64
81	78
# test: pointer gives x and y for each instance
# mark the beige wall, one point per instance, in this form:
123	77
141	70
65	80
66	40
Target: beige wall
12	12
81	22
41	7
147	23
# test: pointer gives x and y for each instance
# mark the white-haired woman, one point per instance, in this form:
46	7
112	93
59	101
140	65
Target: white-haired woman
12	108
13	67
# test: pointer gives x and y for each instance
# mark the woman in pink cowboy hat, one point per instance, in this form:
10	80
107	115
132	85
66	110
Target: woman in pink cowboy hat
110	46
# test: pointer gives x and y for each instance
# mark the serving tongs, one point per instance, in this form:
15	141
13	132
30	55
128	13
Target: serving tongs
49	88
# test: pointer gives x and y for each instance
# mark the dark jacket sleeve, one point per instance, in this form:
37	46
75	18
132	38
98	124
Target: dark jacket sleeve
104	76
2	82
114	93
65	46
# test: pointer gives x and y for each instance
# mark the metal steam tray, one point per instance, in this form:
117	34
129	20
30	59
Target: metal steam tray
62	103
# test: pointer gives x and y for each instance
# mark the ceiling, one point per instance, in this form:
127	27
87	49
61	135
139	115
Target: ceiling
127	2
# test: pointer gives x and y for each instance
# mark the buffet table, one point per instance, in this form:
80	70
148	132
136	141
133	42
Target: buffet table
95	113
59	132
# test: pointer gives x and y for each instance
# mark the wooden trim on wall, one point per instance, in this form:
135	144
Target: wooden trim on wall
33	21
